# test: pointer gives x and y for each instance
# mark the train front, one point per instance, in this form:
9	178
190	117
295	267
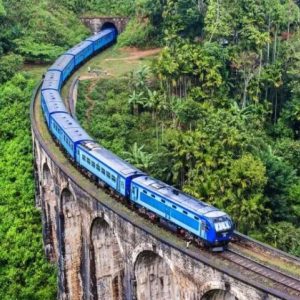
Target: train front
221	230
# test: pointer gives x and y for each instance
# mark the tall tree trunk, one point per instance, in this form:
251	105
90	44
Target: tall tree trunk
275	45
275	107
268	45
259	71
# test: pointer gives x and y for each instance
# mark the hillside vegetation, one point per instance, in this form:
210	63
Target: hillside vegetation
218	112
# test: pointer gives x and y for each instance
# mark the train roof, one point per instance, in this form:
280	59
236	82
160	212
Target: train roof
51	96
113	161
78	48
178	197
71	127
51	81
99	35
61	63
51	85
56	106
52	75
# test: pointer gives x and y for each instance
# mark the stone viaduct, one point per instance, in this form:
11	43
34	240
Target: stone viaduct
105	254
105	251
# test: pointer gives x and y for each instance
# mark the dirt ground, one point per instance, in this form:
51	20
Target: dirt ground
135	53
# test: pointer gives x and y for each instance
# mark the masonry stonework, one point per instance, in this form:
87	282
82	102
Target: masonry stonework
101	256
95	24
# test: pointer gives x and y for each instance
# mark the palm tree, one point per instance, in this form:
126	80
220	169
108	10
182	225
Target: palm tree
152	102
139	158
136	100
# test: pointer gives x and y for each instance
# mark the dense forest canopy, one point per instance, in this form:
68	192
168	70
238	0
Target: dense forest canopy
219	110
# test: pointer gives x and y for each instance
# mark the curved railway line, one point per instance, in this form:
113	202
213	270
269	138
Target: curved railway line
264	275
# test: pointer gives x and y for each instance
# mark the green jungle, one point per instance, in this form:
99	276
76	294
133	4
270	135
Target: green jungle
216	113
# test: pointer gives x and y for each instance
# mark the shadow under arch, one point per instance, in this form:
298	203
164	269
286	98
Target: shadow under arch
106	262
70	243
47	176
154	278
49	214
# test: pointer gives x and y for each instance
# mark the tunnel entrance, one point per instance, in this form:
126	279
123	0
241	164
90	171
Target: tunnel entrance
109	25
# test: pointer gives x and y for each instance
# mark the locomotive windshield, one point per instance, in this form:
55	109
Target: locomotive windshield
222	224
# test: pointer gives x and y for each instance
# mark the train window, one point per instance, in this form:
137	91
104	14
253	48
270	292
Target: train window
152	195
162	200
83	157
196	218
88	161
108	174
174	206
144	191
113	178
98	167
102	171
122	185
185	212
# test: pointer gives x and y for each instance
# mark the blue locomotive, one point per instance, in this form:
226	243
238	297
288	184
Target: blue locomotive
201	221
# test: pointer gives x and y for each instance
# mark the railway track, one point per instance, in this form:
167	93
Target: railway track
280	279
259	247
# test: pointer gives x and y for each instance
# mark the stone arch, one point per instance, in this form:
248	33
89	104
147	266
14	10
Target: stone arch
217	290
154	278
49	214
218	295
150	247
109	24
70	244
107	265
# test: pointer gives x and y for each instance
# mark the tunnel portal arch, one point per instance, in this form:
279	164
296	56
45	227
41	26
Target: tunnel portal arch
107	25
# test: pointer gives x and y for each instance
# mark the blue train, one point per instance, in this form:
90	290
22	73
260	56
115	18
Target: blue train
201	221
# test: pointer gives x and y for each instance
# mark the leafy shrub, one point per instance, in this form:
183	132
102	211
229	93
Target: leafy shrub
9	65
137	34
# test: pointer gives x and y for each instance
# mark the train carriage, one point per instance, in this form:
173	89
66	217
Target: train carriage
107	167
68	132
103	38
65	64
52	81
81	52
51	103
181	209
